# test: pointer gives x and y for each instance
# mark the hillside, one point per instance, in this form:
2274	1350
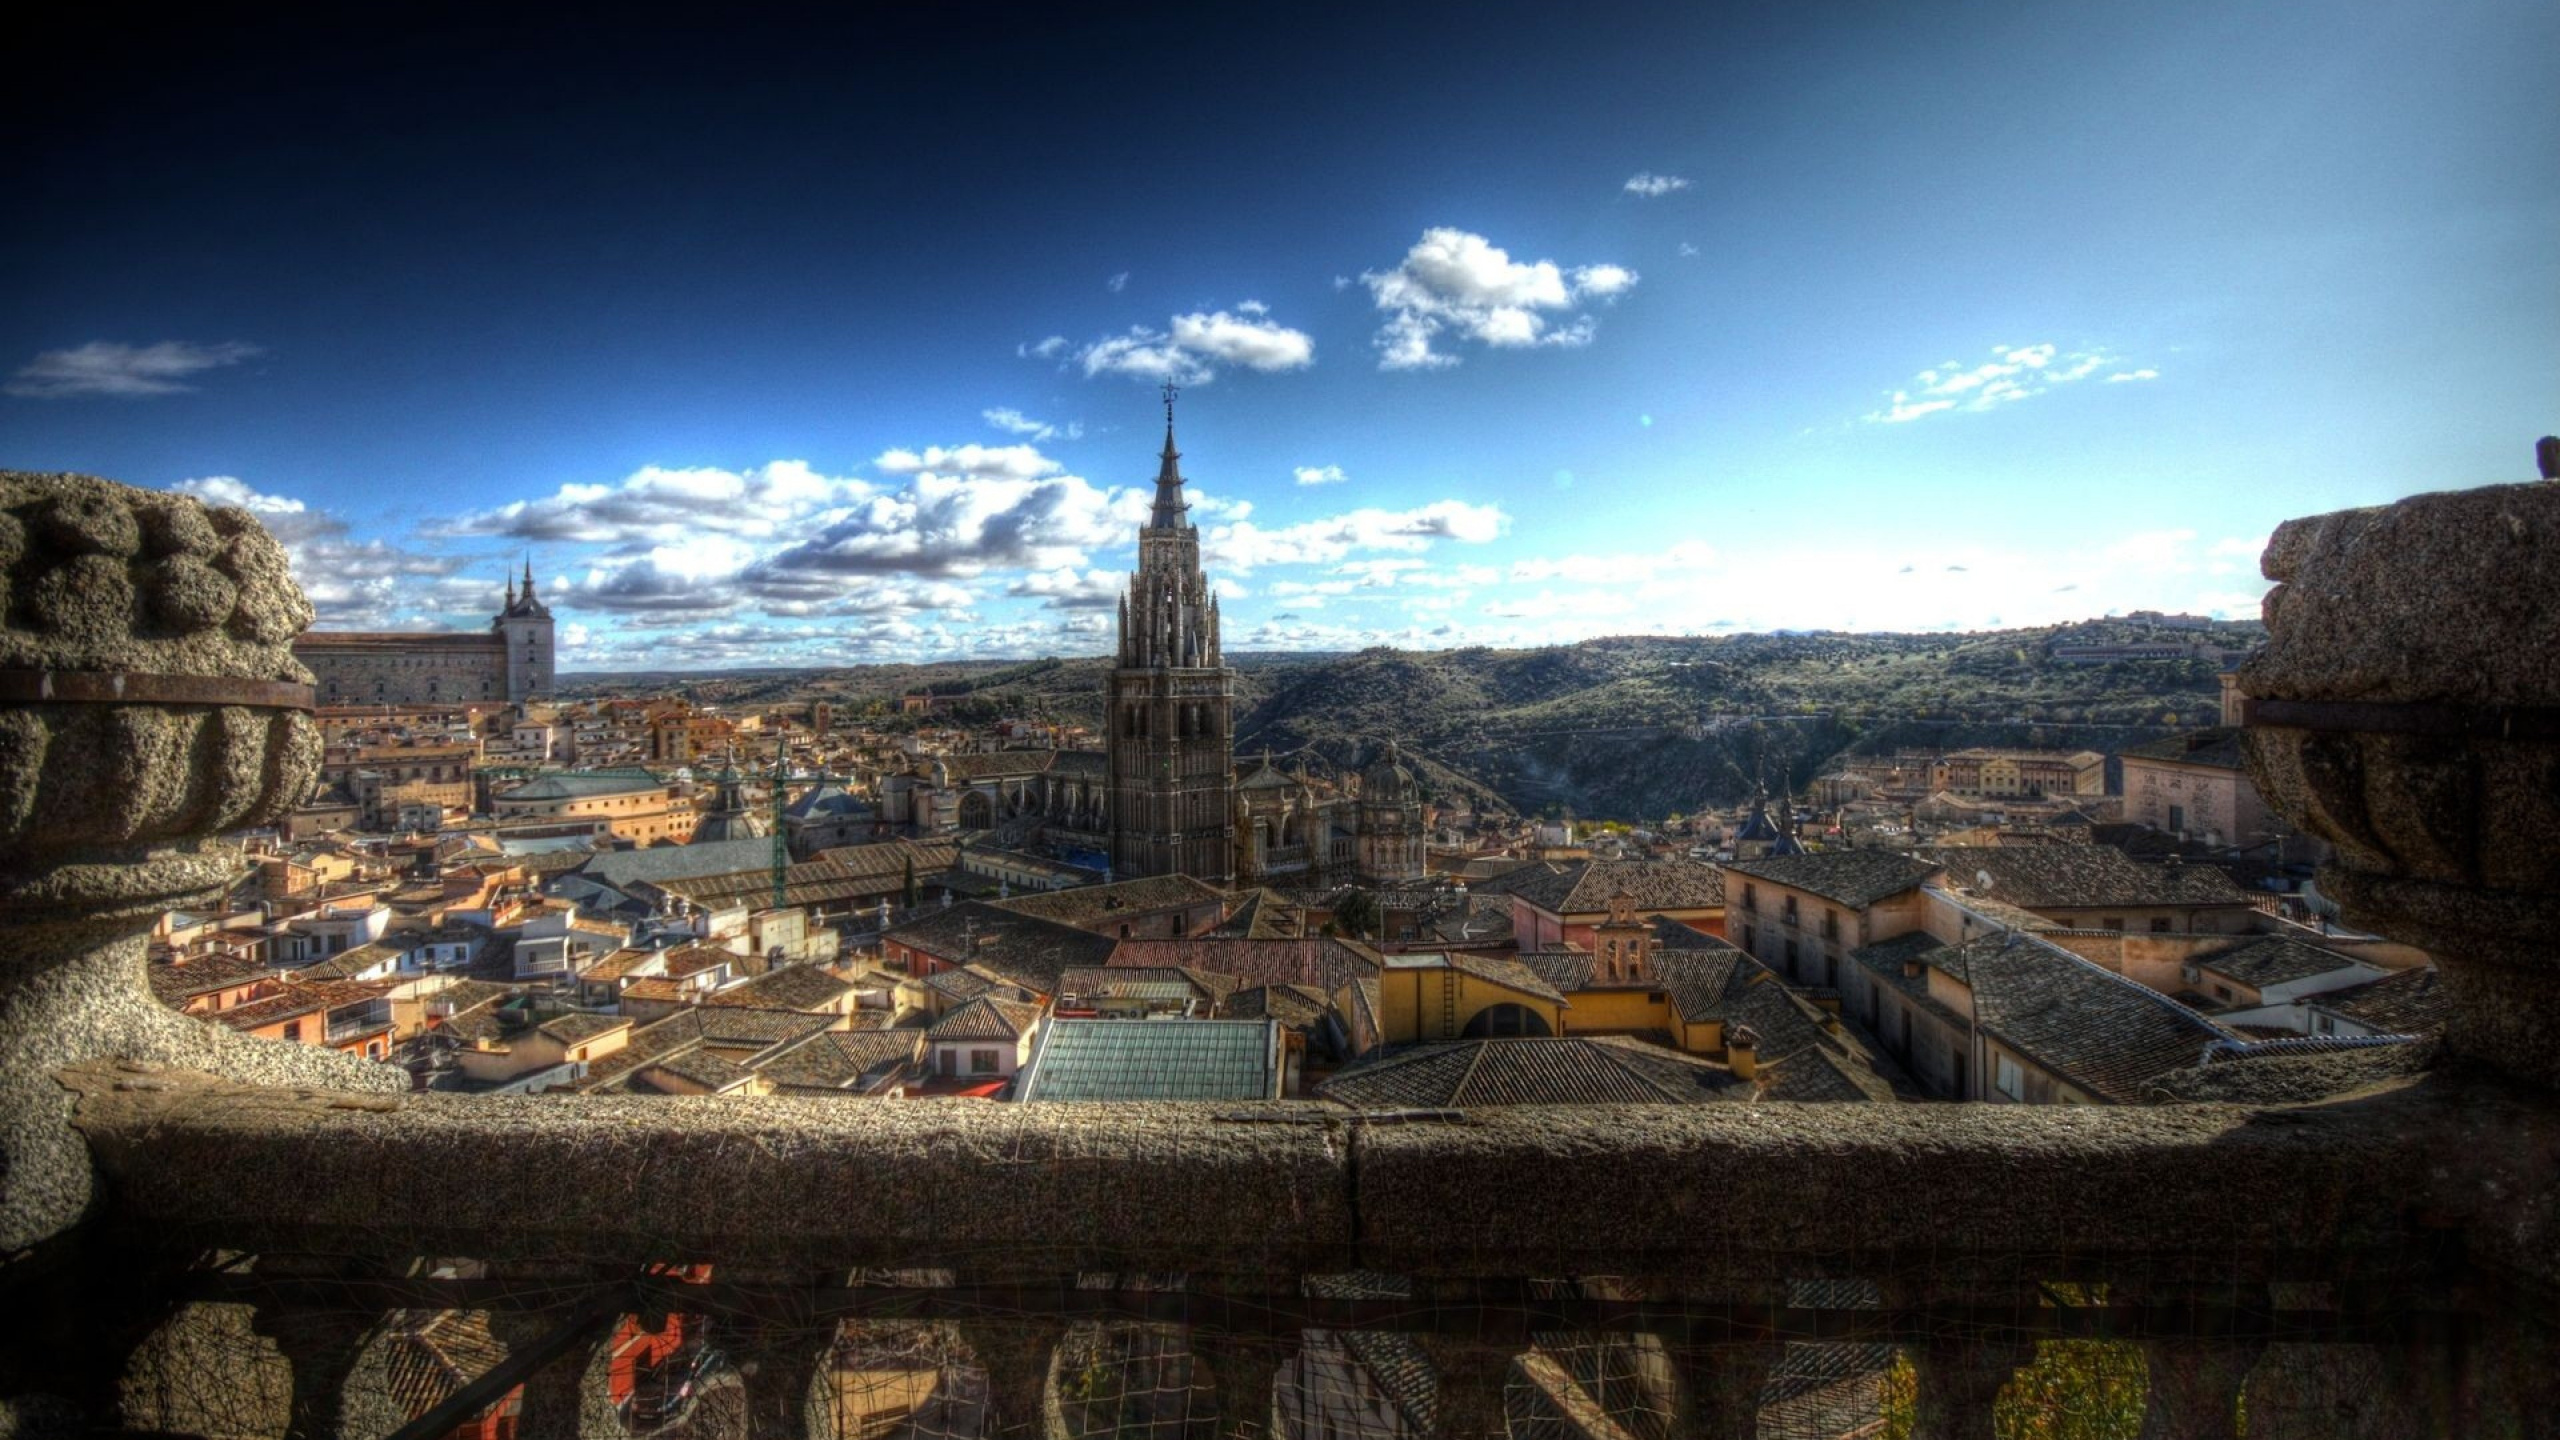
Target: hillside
1632	727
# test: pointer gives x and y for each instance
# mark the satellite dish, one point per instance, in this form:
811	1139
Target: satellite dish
1982	880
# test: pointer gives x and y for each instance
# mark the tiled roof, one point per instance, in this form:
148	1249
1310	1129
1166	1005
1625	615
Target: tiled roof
1585	887
1493	969
844	1060
177	984
2097	1029
734	1027
1300	1007
1569	1070
2218	747
889	858
1155	1060
1093	904
1026	950
793	987
2264	960
1327	962
659	864
1139	982
1263	915
701	1066
584	786
2408	1003
2079	876
1855	878
986	1018
571	1028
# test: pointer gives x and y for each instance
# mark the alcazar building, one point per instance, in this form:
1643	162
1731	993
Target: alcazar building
509	662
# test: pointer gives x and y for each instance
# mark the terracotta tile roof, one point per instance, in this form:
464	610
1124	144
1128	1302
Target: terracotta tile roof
1027	950
792	987
1855	878
2408	1003
859	1060
2218	747
1171	983
1493	969
1585	887
1326	961
2061	876
1098	904
986	1018
2264	960
2094	1028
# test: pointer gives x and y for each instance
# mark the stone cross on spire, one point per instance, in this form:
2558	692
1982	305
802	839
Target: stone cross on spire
1170	507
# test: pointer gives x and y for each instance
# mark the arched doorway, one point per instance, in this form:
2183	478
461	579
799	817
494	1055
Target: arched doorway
1505	1021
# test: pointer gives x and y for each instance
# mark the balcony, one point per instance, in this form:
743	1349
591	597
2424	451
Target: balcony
231	1238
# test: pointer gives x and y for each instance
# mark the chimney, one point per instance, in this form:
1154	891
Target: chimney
1742	1052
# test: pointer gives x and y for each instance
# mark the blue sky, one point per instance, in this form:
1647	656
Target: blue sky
806	342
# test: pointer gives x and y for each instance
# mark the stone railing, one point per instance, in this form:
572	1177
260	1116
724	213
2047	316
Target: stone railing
224	1236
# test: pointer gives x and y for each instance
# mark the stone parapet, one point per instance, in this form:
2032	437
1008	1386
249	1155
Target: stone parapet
2406	709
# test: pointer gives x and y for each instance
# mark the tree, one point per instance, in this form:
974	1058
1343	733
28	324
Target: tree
1357	914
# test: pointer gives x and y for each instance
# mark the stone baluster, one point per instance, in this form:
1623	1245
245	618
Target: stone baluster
149	699
322	1346
1017	1356
781	1365
1721	1387
1958	1380
568	1398
2196	1378
1241	1373
1473	1380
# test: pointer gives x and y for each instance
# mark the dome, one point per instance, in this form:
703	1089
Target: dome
1387	782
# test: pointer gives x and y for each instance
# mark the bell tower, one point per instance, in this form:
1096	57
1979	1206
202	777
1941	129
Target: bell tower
1171	703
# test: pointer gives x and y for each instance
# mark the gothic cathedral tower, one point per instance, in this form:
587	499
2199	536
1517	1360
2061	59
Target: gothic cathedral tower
524	627
1172	702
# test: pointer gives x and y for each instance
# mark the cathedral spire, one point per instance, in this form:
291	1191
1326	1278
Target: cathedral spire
528	577
1170	506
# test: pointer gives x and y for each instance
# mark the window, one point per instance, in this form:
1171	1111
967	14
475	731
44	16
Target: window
1791	910
1830	924
2160	925
1750	897
2112	922
1751	938
2177	817
2005	1076
1791	958
982	1062
293	1031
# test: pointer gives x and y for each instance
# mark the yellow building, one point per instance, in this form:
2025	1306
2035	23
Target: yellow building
632	804
1459	996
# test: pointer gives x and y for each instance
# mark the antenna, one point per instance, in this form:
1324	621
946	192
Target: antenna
1171	393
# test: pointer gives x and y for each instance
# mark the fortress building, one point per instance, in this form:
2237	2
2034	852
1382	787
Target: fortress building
511	661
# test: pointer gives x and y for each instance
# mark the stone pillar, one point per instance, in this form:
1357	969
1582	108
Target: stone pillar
1958	1379
1017	1356
568	1398
1241	1374
781	1365
2406	710
2195	1387
149	699
1471	1396
322	1346
1722	1384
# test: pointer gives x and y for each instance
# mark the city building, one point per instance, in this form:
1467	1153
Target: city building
511	661
1169	717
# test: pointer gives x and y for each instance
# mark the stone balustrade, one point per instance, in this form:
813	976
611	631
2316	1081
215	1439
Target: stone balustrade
230	1237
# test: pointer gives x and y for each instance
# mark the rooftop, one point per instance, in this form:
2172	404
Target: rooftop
1130	1060
1855	878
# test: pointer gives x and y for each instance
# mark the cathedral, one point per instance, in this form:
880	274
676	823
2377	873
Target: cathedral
1175	805
1170	708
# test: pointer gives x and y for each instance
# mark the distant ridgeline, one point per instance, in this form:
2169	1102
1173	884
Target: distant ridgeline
1626	726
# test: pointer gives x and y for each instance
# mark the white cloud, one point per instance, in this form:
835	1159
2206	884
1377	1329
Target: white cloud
1004	462
1014	422
1651	186
1320	475
1193	347
1456	283
1049	349
2014	373
1117	282
655	506
2122	376
1243	546
1066	588
356	584
1687	250
103	367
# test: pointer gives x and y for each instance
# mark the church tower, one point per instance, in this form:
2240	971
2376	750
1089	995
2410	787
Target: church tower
1171	704
524	627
